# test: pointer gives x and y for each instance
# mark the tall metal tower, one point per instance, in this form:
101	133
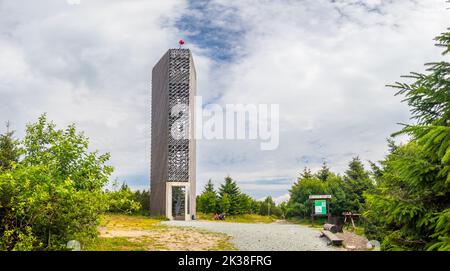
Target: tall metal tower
173	161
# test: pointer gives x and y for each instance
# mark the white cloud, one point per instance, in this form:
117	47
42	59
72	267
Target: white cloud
327	66
89	64
325	63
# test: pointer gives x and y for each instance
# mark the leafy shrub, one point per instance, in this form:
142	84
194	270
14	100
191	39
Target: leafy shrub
122	200
54	193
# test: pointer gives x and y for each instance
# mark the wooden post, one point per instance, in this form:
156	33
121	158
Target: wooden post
329	211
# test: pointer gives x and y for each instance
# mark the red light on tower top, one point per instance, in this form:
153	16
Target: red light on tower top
181	43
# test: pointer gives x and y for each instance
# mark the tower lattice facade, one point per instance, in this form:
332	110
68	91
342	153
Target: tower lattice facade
173	161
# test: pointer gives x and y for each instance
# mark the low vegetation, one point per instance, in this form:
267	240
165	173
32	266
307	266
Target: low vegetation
229	200
122	200
140	233
51	188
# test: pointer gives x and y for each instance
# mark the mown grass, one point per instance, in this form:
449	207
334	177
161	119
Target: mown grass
129	222
246	218
116	244
318	222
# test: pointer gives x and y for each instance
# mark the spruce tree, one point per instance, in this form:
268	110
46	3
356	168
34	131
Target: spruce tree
245	204
324	172
207	200
230	188
9	150
225	204
209	187
357	181
306	174
410	210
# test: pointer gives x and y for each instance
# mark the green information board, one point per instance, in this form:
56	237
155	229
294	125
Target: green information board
320	207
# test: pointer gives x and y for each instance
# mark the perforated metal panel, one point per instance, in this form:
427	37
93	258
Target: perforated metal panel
178	147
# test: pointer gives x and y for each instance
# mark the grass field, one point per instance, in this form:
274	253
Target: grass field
247	218
318	222
140	233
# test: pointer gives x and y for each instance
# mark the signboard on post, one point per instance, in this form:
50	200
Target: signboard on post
320	207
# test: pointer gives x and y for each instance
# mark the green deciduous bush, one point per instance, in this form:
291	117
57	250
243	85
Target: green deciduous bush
123	200
54	193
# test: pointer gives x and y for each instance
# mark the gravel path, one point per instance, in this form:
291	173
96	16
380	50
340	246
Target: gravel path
262	237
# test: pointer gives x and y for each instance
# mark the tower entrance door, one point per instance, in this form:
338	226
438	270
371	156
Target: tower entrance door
177	203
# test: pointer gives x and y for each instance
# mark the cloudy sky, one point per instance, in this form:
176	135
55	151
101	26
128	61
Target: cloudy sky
325	62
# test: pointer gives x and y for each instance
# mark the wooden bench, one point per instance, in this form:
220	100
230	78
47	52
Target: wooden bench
331	227
334	240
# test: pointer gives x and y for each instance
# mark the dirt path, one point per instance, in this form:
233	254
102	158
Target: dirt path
264	237
121	232
178	239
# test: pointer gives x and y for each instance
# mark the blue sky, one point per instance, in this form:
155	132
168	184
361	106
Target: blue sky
199	25
326	63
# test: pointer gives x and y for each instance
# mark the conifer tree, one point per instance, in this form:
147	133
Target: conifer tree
356	182
9	149
410	210
207	200
324	172
306	174
225	204
230	188
209	187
